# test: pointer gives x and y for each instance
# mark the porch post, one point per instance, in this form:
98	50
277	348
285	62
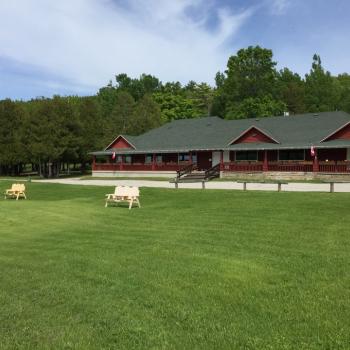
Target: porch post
221	160
93	163
154	161
315	165
121	162
190	157
265	163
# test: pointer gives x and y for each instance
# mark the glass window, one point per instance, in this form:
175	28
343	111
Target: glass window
296	154
184	157
246	155
127	159
101	159
194	158
149	158
159	158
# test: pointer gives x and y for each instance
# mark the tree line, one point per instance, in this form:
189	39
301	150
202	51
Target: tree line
47	135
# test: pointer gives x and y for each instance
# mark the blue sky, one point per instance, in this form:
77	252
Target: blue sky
74	47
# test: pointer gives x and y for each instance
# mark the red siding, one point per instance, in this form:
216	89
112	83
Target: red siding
343	133
120	142
253	135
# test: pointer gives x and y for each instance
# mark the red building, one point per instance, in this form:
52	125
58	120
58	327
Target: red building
306	143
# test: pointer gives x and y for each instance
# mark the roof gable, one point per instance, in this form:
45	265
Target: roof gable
120	142
342	133
253	135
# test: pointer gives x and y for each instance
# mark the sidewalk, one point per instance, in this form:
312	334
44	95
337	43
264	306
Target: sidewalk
229	185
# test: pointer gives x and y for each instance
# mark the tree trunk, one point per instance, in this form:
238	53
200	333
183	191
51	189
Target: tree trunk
49	169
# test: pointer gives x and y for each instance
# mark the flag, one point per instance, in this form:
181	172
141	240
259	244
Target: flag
113	155
312	151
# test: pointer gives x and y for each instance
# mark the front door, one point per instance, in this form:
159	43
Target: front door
204	160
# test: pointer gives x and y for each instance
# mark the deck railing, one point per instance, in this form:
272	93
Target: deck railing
213	172
291	166
186	170
324	167
243	166
105	166
136	166
334	167
171	166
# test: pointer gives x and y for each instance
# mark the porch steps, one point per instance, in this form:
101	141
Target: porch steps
197	176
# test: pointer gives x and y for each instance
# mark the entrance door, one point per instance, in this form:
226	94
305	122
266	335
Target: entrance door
204	160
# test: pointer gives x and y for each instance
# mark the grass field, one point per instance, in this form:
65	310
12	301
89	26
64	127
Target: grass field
191	269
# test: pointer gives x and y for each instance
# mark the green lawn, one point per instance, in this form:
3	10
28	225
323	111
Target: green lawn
191	269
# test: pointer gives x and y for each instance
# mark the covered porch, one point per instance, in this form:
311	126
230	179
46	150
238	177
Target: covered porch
325	160
166	162
289	160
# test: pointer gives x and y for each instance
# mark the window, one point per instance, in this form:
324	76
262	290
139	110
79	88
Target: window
127	159
102	159
247	155
296	154
159	158
194	158
184	157
149	159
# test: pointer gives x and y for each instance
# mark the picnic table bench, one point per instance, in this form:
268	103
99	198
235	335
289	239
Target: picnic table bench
128	194
278	183
16	191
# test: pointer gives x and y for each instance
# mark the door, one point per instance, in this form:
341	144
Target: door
204	160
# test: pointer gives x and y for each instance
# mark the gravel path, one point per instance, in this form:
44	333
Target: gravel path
229	185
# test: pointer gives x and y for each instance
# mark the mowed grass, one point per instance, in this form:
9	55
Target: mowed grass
191	269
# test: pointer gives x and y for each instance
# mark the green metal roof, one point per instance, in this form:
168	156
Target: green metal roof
213	133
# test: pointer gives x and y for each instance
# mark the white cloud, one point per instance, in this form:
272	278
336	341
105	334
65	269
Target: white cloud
86	42
279	7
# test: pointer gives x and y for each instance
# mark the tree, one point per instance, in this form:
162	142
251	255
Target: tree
257	107
291	90
321	90
106	98
120	118
54	133
175	106
146	116
343	82
12	154
137	88
250	79
219	96
202	95
250	73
